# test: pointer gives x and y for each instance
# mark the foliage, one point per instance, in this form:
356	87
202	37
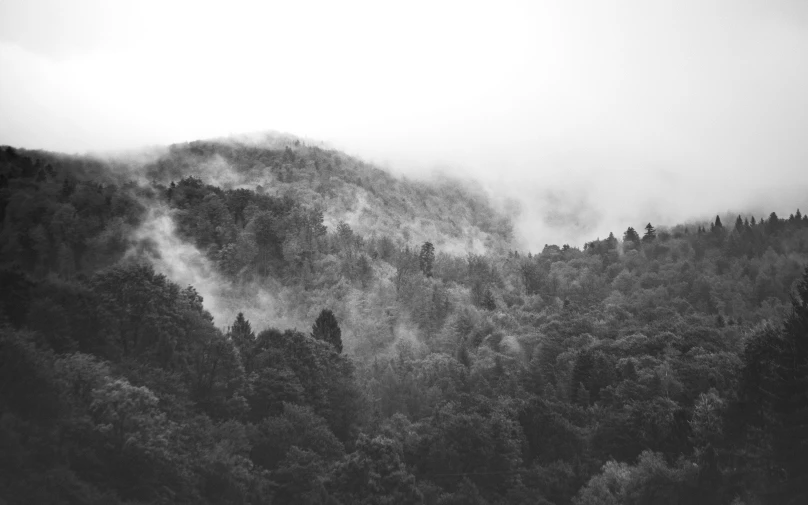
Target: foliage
664	369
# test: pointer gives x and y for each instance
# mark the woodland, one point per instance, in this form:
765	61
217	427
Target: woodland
430	362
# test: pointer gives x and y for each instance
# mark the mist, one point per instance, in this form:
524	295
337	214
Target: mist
586	116
185	265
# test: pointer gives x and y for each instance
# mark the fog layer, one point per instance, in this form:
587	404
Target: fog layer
593	115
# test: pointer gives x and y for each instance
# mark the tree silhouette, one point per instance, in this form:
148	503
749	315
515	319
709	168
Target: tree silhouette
327	329
650	233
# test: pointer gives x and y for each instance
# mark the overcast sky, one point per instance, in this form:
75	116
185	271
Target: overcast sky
595	115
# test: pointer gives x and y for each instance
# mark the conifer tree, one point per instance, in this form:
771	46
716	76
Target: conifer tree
631	235
739	224
488	302
718	222
426	258
774	381
243	339
650	233
327	329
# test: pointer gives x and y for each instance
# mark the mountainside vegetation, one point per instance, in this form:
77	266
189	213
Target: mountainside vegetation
430	362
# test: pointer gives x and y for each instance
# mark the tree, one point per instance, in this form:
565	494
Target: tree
773	224
364	270
326	328
374	474
426	258
488	302
406	263
650	233
242	334
631	235
717	223
772	396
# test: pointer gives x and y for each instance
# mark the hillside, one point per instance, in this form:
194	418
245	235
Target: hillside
454	214
265	321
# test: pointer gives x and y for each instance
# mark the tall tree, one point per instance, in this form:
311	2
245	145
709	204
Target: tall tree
426	258
242	334
631	235
650	233
326	328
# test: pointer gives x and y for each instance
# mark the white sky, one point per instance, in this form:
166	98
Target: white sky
605	113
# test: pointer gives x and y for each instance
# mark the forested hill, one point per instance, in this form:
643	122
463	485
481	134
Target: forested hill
382	343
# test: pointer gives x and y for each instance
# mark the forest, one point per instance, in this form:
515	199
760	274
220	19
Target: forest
412	355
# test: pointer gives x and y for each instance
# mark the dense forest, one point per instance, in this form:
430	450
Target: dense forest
412	354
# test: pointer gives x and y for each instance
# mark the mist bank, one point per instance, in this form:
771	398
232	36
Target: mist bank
574	206
156	241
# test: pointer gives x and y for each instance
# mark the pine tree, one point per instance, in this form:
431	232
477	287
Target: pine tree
242	334
773	224
631	235
327	329
426	258
488	302
650	233
718	224
739	224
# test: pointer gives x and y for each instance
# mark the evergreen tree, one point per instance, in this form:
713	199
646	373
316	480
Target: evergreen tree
611	241
773	397
241	333
650	233
426	258
739	224
631	235
718	224
773	224
327	329
488	302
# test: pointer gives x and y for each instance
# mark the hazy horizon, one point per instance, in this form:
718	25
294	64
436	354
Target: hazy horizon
592	115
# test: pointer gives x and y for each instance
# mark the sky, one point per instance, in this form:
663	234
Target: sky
592	115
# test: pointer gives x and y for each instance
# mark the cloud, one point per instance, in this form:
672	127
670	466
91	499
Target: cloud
604	114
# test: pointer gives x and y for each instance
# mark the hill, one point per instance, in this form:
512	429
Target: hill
263	321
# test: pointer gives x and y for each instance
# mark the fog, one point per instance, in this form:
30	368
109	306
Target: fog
592	115
186	265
